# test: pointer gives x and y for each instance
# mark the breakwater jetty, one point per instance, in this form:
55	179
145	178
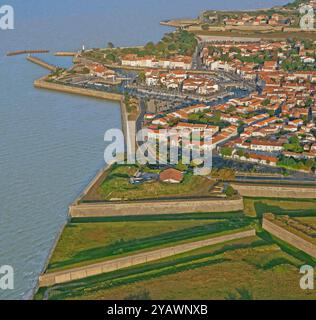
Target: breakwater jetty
42	63
18	52
65	54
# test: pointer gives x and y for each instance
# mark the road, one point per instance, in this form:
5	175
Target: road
140	119
196	59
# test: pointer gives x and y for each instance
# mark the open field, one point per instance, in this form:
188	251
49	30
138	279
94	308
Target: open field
91	242
116	186
292	207
240	269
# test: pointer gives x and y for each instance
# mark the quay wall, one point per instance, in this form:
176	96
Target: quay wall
49	279
154	207
125	126
275	191
94	183
289	237
42	84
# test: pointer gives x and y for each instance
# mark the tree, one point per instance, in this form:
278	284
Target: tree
293	145
226	151
181	167
310	163
111	57
294	140
230	191
126	99
172	47
266	102
142	76
235	49
309	102
110	45
240	153
194	117
150	46
224	174
291	163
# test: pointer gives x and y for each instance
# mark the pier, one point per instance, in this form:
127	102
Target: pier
65	54
18	52
42	63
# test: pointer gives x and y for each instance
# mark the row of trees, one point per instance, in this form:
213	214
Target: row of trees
293	145
291	163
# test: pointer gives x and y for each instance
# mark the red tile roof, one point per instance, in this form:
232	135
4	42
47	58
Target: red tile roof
171	174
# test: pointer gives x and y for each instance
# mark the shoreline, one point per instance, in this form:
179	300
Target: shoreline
42	84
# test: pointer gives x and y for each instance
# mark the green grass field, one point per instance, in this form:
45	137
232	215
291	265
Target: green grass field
261	267
291	207
308	220
117	186
90	242
252	268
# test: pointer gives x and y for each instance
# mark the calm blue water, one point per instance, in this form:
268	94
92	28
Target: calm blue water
51	144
